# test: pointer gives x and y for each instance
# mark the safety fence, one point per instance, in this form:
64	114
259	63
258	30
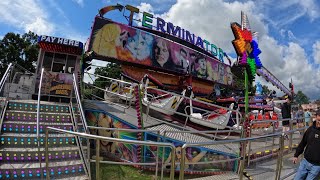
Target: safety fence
178	160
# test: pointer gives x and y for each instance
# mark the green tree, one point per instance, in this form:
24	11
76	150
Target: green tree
20	49
265	90
301	98
112	70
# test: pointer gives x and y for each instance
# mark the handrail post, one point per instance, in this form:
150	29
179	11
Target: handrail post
3	113
157	157
290	135
38	119
173	162
4	77
249	143
79	102
242	160
88	158
97	159
46	155
162	159
279	160
273	131
182	162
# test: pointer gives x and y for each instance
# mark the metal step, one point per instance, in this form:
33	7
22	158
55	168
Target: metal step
44	107
14	115
27	155
66	169
30	140
31	127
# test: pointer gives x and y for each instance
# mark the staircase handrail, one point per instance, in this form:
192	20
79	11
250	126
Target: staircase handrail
5	76
79	143
110	139
112	79
82	116
38	119
2	114
38	103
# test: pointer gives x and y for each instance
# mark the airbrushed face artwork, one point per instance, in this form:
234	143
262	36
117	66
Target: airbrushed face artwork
123	151
125	43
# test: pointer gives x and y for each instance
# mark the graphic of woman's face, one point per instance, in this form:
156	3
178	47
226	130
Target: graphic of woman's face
161	53
202	64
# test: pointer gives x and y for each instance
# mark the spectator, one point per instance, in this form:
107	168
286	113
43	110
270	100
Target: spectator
310	144
286	114
300	119
307	117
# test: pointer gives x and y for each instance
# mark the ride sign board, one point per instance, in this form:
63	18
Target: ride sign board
119	42
57	84
168	27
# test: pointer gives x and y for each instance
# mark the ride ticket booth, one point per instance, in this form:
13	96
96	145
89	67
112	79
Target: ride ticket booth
60	58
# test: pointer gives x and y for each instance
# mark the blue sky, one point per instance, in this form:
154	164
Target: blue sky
288	30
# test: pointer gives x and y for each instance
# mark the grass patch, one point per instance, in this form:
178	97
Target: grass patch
122	172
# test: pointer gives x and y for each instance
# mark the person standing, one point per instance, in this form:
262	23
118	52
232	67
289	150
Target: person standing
300	119
307	117
286	114
309	167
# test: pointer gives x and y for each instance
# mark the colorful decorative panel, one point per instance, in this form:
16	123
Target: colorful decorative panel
193	154
118	42
54	83
127	152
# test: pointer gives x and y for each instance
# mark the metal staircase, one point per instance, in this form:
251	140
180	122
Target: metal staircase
20	156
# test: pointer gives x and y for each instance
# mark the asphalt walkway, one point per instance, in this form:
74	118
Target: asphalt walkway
265	170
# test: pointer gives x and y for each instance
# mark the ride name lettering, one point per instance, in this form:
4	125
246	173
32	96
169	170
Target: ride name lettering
62	89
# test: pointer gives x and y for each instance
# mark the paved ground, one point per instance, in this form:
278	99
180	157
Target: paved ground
265	170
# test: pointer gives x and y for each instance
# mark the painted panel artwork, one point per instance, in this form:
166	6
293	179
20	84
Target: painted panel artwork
126	152
193	154
128	44
54	83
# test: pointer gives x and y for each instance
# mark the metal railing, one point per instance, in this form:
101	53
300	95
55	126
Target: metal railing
5	76
101	138
135	131
273	124
38	119
123	84
4	109
82	116
242	157
79	143
85	159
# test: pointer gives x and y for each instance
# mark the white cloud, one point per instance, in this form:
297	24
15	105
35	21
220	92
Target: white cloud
211	20
39	26
282	13
291	36
282	33
311	8
25	15
79	2
145	7
316	52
